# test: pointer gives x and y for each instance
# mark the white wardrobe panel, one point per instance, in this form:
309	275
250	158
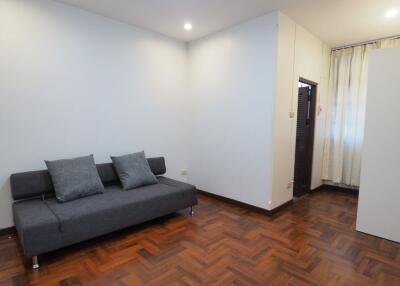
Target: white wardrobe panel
379	201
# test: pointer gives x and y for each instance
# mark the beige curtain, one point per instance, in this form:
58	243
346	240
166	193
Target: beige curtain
390	43
346	112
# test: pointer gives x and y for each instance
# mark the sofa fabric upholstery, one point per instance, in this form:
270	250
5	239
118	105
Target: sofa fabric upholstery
46	225
75	178
37	183
133	170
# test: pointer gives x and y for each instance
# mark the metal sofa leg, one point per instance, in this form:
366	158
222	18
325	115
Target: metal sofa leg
192	210
35	262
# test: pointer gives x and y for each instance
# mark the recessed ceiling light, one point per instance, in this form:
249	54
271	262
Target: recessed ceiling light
188	26
391	13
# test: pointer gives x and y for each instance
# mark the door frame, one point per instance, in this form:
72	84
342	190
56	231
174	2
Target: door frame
310	150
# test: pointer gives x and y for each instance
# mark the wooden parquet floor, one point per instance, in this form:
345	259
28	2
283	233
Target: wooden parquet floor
312	242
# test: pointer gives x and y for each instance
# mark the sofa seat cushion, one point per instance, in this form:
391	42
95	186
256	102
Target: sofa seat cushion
189	190
74	221
116	208
35	221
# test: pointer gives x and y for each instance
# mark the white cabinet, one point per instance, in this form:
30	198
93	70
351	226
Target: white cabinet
379	202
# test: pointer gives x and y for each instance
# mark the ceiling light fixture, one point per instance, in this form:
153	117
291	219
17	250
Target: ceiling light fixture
188	26
391	13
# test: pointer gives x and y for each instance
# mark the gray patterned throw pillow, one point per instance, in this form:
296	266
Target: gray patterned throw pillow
75	178
134	171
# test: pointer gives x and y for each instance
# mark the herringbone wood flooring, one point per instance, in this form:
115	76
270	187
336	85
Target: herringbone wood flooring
312	242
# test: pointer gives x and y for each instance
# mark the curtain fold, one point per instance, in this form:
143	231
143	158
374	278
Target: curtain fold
346	112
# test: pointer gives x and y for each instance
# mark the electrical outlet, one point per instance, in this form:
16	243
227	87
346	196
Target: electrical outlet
184	172
292	114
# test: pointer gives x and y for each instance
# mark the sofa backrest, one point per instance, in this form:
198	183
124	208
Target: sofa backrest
36	183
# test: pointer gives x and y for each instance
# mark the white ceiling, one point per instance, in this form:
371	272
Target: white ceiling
337	22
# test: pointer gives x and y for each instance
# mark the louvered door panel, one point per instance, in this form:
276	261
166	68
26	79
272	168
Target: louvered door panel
302	171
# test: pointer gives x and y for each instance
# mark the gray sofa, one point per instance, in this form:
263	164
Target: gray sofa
43	224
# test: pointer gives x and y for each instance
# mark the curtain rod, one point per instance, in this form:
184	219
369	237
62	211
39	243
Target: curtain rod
366	43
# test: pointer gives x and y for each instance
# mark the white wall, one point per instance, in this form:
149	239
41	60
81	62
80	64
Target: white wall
282	141
378	206
244	86
232	88
300	55
73	83
312	62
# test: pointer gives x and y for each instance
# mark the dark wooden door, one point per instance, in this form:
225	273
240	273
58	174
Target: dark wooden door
304	140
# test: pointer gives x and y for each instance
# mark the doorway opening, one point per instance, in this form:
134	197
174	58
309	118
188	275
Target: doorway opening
307	98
